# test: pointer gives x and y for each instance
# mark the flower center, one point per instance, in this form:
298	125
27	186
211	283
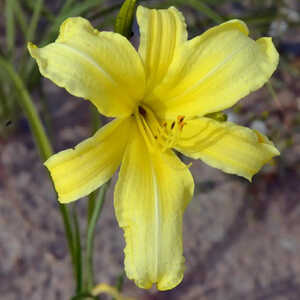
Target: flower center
158	134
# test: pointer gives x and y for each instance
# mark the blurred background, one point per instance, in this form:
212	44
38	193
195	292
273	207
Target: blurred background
241	240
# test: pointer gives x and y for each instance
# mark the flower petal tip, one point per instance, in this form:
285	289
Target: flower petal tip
170	283
162	285
240	25
271	54
32	49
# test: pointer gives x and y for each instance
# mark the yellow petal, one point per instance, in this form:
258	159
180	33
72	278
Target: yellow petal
104	288
150	197
215	70
102	67
77	172
162	33
226	146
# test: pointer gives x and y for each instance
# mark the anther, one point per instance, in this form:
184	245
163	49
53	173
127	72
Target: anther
173	124
142	111
180	118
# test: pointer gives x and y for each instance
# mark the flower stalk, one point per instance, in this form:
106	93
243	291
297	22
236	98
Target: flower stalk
99	201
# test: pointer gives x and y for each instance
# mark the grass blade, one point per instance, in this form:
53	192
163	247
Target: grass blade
45	11
77	250
37	10
204	8
10	25
21	17
125	18
77	10
66	7
91	233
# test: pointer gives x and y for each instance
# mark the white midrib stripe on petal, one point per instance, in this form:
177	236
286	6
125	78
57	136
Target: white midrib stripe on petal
156	223
89	59
211	72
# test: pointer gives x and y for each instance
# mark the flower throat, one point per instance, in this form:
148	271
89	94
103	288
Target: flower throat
158	134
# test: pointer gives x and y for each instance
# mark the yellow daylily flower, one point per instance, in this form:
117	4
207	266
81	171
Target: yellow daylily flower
159	96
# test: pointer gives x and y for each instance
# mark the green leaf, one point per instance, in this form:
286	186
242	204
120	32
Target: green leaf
77	251
66	7
125	18
37	10
76	10
99	200
104	11
21	17
10	24
30	4
204	8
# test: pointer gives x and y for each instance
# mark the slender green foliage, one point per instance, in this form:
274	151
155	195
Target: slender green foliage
203	8
10	25
91	233
21	17
125	18
37	10
77	10
77	251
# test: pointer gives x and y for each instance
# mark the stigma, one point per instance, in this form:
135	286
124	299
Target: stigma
158	134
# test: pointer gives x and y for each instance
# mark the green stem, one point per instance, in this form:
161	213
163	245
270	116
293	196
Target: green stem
120	281
84	296
77	251
21	17
37	10
45	11
40	137
91	205
10	25
90	235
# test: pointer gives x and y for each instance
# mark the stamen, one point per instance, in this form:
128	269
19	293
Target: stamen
180	119
173	136
158	134
144	133
148	130
142	111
